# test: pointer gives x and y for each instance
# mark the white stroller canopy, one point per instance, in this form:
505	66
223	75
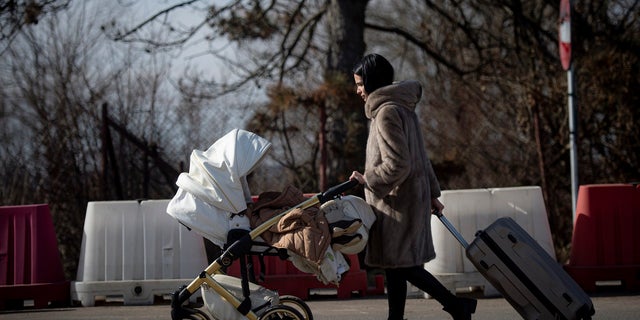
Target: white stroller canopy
218	175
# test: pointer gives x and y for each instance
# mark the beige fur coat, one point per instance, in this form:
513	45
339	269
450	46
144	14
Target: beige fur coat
400	179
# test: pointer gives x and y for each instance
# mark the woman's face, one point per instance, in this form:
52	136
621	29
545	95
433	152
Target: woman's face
360	87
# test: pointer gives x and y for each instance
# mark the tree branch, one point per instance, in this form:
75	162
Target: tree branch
420	44
121	37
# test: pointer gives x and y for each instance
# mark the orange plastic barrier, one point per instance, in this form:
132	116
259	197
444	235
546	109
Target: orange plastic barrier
605	244
282	276
30	266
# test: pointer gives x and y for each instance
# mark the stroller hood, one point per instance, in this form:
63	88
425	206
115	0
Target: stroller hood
218	175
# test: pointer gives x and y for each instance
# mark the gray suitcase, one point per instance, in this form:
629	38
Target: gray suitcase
528	278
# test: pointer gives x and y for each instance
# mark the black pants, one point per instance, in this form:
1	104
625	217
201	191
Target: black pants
397	288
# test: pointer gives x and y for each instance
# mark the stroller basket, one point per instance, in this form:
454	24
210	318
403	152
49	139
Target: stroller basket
238	250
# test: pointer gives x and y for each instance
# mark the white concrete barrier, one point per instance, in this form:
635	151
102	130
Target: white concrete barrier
475	209
135	251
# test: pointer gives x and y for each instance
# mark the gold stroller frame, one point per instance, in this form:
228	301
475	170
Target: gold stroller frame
237	250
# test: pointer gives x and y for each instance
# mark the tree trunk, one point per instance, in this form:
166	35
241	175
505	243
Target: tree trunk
346	122
346	31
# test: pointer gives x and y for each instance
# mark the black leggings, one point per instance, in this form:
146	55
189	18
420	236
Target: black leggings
397	288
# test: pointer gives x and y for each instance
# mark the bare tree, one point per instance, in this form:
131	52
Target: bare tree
57	76
14	15
46	95
495	112
316	42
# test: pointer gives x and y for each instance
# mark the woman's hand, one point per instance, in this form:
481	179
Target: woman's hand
436	205
358	176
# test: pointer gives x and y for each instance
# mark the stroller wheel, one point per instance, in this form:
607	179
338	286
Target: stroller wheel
281	312
189	313
298	304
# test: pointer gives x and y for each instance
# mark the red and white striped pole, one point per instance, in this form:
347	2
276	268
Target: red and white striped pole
564	45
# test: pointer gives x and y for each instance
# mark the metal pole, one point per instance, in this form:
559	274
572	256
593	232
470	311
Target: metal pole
572	141
564	44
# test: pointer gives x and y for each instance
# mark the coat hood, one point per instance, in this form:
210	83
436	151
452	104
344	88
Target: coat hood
218	175
405	93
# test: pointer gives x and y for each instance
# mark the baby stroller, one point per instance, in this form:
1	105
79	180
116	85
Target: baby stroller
211	200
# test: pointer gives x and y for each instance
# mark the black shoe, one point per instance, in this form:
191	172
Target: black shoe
462	308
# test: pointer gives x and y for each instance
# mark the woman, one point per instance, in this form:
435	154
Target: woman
402	188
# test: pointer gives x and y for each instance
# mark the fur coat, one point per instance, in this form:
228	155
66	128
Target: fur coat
400	181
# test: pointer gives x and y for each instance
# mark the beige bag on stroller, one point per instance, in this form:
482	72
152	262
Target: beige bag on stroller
350	208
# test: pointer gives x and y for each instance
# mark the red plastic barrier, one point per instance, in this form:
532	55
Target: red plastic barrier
30	266
605	244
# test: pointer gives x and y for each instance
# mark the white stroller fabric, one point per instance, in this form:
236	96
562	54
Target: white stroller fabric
210	222
218	175
215	188
221	309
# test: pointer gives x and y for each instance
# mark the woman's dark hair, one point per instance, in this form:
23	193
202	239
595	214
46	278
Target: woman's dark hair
375	70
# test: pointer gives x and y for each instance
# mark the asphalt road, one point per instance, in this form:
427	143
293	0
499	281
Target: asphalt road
614	306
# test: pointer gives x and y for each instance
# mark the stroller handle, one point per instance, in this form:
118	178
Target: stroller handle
335	191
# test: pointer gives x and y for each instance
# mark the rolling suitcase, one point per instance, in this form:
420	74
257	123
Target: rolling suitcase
528	278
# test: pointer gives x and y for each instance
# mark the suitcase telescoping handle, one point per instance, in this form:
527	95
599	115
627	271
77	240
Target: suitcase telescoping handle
451	228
